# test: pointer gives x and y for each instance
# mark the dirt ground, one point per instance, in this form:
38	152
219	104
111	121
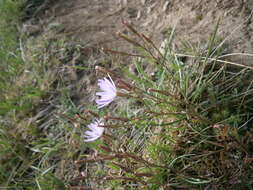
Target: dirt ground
95	22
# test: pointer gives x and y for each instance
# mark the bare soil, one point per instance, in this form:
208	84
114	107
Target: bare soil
95	22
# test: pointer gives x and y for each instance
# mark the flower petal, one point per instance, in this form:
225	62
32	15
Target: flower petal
108	92
95	131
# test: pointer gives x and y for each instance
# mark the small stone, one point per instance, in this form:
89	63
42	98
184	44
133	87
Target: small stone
166	6
132	12
138	15
124	3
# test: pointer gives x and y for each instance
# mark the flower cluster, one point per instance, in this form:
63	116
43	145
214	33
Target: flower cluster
107	95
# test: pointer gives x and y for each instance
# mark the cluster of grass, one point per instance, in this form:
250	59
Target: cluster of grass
188	124
12	98
35	100
9	54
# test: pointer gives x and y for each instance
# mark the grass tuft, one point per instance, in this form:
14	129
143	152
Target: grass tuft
187	125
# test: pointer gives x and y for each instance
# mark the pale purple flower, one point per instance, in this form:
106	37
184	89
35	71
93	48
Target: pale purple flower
108	92
95	131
